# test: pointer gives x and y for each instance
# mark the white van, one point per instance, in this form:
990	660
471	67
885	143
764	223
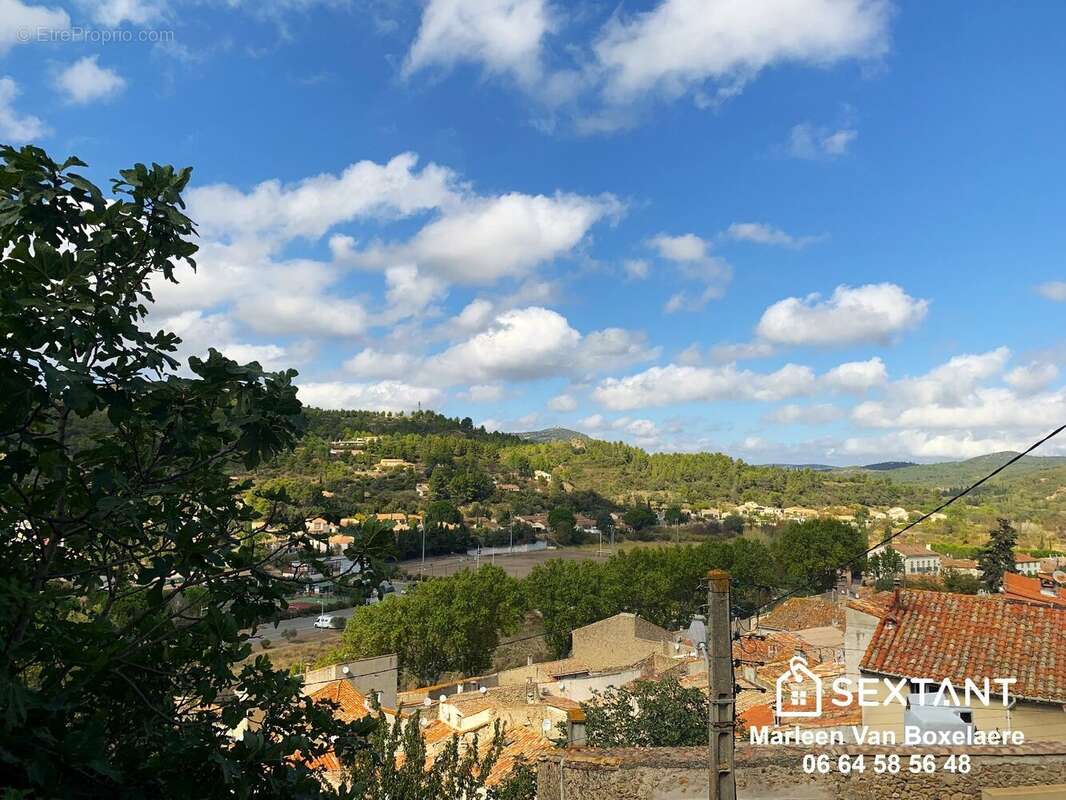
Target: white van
325	621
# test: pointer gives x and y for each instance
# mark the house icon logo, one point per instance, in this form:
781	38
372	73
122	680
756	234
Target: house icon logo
799	691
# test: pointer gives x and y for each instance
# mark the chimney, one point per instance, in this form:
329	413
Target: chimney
529	661
531	691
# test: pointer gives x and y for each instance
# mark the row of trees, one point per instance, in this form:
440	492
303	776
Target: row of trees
453	624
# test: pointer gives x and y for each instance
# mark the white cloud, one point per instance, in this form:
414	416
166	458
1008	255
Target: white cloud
408	291
16	18
857	376
740	351
483	240
675	384
687	247
484	393
692	255
636	268
86	81
16	127
926	445
534	342
1053	290
503	35
312	206
680	44
200	332
371	363
113	13
474	316
592	422
1032	377
381	396
793	414
563	402
810	142
871	313
521	345
760	233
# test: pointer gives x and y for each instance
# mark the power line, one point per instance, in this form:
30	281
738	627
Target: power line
924	517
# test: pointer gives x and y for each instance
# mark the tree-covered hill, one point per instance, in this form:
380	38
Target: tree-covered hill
963	473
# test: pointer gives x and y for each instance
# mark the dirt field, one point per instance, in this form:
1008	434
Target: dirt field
519	565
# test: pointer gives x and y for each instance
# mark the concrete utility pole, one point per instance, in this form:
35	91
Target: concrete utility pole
720	687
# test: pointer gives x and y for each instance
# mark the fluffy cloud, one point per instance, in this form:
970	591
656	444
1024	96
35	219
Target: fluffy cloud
871	313
532	343
16	17
926	445
503	35
793	414
675	384
482	240
85	81
857	376
740	351
684	248
312	206
371	363
563	402
16	127
199	332
1032	377
681	44
1053	290
484	393
636	268
810	142
759	233
381	396
113	13
692	255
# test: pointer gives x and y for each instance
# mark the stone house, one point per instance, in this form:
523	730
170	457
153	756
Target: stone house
939	636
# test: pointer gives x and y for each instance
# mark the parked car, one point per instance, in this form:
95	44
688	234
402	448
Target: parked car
327	621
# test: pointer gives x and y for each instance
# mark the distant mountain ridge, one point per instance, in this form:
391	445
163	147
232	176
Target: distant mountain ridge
551	435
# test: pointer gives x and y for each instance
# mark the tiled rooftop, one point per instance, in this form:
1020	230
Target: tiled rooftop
797	613
937	635
352	704
1027	589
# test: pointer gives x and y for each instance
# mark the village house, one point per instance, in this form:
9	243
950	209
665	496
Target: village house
1026	564
986	637
917	560
1042	590
541	475
319	526
963	566
394	463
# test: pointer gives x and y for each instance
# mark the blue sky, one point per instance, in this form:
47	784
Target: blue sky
796	230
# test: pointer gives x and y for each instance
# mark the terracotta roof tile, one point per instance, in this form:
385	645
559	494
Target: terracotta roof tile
1027	589
937	635
797	613
352	704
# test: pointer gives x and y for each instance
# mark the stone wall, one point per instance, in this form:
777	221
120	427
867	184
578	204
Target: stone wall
622	639
776	773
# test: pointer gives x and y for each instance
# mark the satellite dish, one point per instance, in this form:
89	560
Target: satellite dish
1059	576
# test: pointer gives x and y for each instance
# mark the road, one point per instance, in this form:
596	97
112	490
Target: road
304	624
